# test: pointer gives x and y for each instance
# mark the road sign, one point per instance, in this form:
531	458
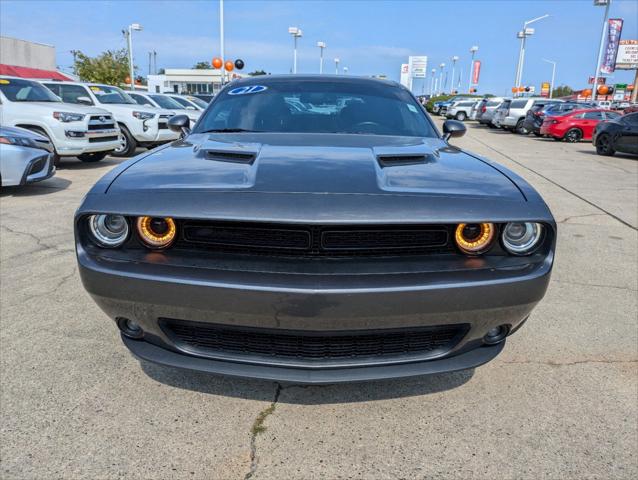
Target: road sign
418	66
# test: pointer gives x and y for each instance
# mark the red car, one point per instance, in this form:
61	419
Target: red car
575	125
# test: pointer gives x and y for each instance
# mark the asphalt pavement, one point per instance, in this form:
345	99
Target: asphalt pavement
561	401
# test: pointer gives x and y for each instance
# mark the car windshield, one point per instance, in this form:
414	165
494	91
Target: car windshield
166	102
200	103
310	106
183	102
107	94
17	90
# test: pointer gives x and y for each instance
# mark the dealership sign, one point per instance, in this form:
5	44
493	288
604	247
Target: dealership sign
611	45
405	76
627	58
476	72
545	89
418	66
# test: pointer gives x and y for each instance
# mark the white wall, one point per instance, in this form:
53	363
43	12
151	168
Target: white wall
27	54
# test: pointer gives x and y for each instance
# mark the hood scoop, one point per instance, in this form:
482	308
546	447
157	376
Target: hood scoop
232	152
403	160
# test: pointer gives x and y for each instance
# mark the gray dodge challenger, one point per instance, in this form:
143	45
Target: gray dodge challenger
315	229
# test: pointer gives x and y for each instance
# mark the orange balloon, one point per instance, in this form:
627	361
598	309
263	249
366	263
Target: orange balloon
127	80
513	89
521	89
630	88
229	66
217	62
603	89
586	93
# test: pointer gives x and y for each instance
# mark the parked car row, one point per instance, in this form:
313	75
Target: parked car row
570	121
89	120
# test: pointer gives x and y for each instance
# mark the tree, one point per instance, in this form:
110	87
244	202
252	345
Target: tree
110	67
257	72
562	91
202	66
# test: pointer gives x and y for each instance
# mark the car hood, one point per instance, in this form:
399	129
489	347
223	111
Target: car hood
60	107
317	164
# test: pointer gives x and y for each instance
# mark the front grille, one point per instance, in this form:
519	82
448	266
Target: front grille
209	340
315	240
163	122
103	139
101	122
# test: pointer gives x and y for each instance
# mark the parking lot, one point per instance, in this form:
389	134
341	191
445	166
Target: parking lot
559	402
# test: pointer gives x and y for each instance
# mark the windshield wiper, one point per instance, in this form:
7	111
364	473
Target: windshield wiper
229	130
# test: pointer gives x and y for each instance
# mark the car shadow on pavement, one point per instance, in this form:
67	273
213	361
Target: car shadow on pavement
73	164
626	156
306	394
52	185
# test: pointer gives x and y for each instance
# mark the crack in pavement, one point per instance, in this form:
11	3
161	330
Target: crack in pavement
257	428
39	241
562	364
598	285
571	217
54	289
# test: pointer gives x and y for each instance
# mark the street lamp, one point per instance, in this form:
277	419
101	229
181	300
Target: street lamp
606	4
473	51
296	33
432	82
442	66
129	39
336	66
345	70
321	46
522	35
454	60
551	88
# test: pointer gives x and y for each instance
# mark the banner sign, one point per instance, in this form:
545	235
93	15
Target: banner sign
418	66
611	46
476	71
601	80
627	58
545	89
405	75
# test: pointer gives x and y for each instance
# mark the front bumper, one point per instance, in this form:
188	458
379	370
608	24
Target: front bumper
88	142
153	288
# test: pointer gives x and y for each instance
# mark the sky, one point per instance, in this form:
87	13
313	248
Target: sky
369	36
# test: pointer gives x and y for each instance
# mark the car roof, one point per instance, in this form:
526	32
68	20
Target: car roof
270	79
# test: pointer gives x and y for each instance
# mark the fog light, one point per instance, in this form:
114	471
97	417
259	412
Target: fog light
496	334
129	328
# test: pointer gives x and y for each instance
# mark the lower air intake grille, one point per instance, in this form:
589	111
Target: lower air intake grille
208	339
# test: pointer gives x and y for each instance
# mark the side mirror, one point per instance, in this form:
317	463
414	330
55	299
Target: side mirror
453	128
180	124
84	100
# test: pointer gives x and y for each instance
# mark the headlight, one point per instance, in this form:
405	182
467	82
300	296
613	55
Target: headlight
109	230
156	232
68	116
474	238
22	141
143	115
521	238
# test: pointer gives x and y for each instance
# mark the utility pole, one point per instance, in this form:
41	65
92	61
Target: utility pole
321	46
336	66
454	60
221	39
607	4
551	87
149	62
154	62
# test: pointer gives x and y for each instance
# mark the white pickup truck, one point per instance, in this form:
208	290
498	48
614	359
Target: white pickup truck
140	126
88	133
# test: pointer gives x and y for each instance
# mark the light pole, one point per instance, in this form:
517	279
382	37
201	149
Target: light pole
442	66
551	87
221	41
454	60
473	50
321	46
296	33
432	82
523	34
129	38
336	66
606	4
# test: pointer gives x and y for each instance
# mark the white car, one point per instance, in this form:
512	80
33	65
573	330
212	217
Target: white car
25	157
460	109
143	127
88	133
160	100
189	101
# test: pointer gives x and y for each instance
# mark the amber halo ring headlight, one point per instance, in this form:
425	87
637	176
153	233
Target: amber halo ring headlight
108	230
521	238
474	238
156	232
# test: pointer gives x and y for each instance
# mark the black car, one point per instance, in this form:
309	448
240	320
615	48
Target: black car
343	241
618	135
535	115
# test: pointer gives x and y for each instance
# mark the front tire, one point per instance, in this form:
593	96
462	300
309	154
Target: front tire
520	127
128	144
461	116
573	135
603	145
92	157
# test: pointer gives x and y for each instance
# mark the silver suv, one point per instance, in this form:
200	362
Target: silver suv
512	116
460	110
